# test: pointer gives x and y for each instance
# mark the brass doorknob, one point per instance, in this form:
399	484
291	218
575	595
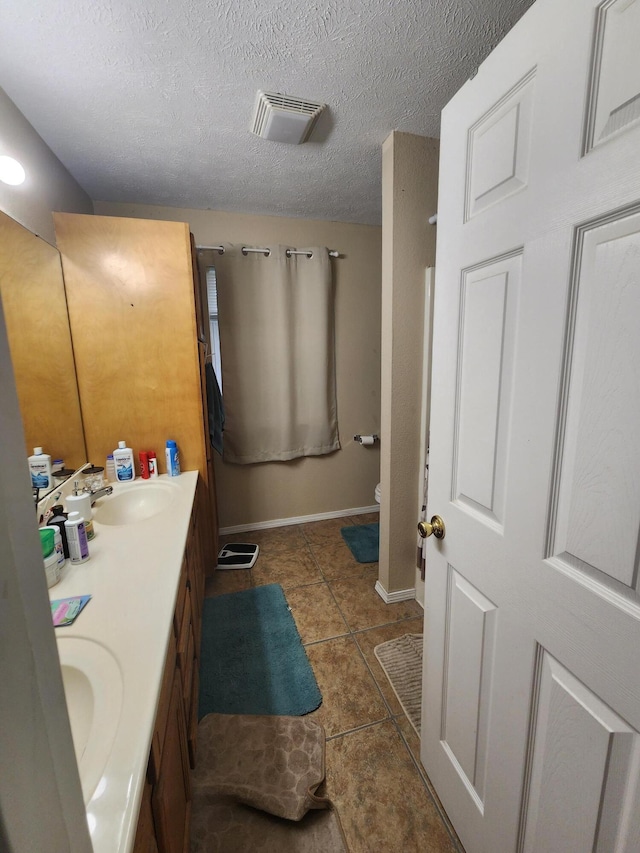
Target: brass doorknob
436	527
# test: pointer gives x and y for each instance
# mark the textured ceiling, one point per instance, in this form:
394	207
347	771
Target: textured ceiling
151	101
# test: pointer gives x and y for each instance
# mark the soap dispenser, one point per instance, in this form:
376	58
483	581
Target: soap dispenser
80	501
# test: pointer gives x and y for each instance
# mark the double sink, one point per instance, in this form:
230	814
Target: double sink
93	677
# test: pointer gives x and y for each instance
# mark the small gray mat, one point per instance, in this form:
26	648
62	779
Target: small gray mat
401	660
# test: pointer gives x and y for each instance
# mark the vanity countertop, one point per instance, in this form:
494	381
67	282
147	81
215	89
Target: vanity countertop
132	576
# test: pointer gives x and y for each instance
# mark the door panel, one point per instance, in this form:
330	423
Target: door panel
614	101
583	759
596	500
486	350
499	145
531	703
470	629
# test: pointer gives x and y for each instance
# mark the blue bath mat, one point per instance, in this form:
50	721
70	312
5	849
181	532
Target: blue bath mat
363	541
252	660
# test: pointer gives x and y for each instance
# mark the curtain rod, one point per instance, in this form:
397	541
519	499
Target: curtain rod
265	251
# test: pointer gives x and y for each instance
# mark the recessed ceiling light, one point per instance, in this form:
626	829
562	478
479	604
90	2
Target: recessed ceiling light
11	172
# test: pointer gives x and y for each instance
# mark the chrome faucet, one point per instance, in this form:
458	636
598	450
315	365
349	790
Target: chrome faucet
100	493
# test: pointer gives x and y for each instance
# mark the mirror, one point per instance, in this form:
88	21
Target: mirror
35	309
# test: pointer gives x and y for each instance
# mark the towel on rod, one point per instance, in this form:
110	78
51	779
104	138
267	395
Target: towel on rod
215	407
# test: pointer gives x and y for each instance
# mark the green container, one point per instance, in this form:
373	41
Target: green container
47	540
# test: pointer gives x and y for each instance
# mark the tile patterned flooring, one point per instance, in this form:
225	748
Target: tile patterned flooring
384	798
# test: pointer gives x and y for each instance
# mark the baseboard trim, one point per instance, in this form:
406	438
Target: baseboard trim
299	519
393	597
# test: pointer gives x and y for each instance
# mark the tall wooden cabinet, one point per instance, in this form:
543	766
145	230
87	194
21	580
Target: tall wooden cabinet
137	328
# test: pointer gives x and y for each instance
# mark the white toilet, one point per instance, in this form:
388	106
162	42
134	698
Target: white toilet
377	493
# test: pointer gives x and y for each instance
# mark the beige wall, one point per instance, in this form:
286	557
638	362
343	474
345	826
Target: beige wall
248	494
48	185
409	198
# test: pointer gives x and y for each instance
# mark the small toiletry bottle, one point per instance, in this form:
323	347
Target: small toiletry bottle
123	461
153	464
40	468
77	538
58	547
58	518
110	469
47	540
80	501
173	459
49	555
144	464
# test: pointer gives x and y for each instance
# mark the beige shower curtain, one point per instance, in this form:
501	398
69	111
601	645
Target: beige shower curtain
278	354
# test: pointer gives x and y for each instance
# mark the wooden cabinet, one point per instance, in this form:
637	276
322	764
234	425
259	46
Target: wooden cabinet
140	343
171	794
146	834
135	311
165	813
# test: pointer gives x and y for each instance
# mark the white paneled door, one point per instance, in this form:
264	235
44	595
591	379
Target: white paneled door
531	705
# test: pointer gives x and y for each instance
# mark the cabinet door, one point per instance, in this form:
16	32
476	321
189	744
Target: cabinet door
192	724
162	714
196	568
171	798
146	834
129	284
186	653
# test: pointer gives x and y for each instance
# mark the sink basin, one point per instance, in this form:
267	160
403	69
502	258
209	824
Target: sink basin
134	503
93	687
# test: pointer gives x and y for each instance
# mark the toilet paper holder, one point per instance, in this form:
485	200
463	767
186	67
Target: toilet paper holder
366	440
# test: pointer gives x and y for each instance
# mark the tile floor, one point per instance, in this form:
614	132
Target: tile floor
386	802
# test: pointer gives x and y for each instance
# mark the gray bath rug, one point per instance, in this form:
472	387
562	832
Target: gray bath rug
401	660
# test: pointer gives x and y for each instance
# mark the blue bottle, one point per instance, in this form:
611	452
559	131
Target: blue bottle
173	458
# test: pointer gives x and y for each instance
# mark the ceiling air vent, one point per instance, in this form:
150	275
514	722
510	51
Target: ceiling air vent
281	118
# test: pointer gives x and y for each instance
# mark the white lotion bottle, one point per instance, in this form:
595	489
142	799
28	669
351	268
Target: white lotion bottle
123	463
58	547
80	501
40	469
76	538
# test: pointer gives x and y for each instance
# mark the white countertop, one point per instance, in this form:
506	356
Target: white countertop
132	576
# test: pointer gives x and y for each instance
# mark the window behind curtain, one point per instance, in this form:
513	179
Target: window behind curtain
277	333
212	298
